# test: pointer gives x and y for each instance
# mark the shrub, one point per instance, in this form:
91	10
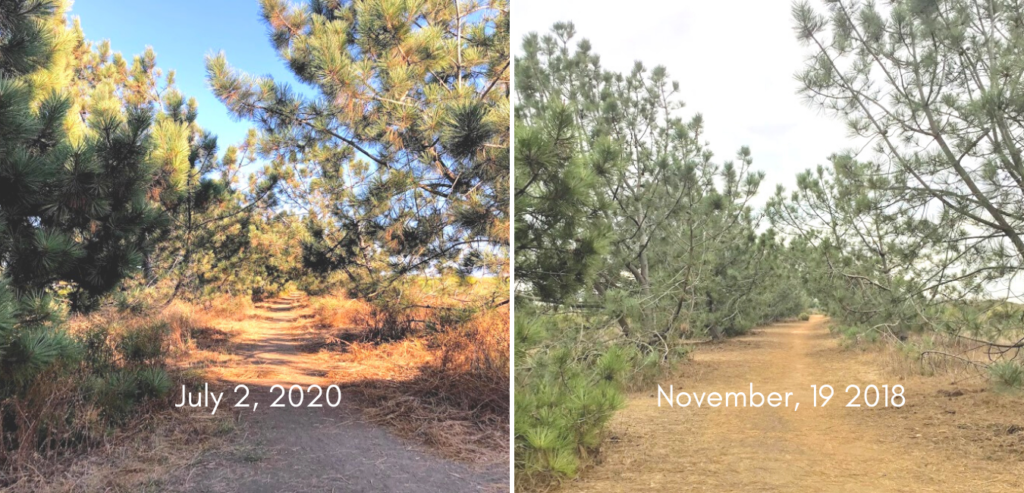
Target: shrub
338	311
647	367
1007	375
153	383
144	343
63	383
114	393
855	335
99	353
118	392
35	350
566	390
385	323
569	382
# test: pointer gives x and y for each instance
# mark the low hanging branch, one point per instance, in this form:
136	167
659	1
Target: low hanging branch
993	350
948	355
996	351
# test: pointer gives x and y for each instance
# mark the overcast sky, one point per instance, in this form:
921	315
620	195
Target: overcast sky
734	61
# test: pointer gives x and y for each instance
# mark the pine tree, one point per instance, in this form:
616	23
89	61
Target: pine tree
682	252
73	191
932	86
397	149
931	217
206	208
629	238
196	190
872	260
560	228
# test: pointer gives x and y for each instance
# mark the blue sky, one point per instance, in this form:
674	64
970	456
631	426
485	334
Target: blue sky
182	33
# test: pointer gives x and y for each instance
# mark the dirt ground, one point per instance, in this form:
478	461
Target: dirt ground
952	435
308	449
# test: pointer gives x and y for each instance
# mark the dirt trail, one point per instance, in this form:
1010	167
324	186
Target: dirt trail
309	449
933	443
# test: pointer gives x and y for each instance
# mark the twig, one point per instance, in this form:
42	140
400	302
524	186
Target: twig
961	358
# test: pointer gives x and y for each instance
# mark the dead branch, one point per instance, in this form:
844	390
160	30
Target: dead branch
961	358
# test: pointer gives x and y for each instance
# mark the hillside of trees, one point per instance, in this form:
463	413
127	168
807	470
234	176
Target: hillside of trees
125	227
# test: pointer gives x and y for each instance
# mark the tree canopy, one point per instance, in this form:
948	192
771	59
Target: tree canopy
396	149
631	240
928	215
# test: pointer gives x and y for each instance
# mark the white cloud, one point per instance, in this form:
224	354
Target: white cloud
734	61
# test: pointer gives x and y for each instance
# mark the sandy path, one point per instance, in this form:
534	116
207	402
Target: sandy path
309	449
831	448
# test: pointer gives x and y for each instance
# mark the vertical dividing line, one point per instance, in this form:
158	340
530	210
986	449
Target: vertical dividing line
512	257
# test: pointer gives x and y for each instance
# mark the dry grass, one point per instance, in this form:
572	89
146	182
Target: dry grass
81	450
939	355
186	325
87	454
447	388
228	307
185	322
913	357
51	420
135	458
480	349
338	312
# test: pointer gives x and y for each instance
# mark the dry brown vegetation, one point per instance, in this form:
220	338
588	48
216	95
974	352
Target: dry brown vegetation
933	355
87	449
960	358
444	384
133	458
86	453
